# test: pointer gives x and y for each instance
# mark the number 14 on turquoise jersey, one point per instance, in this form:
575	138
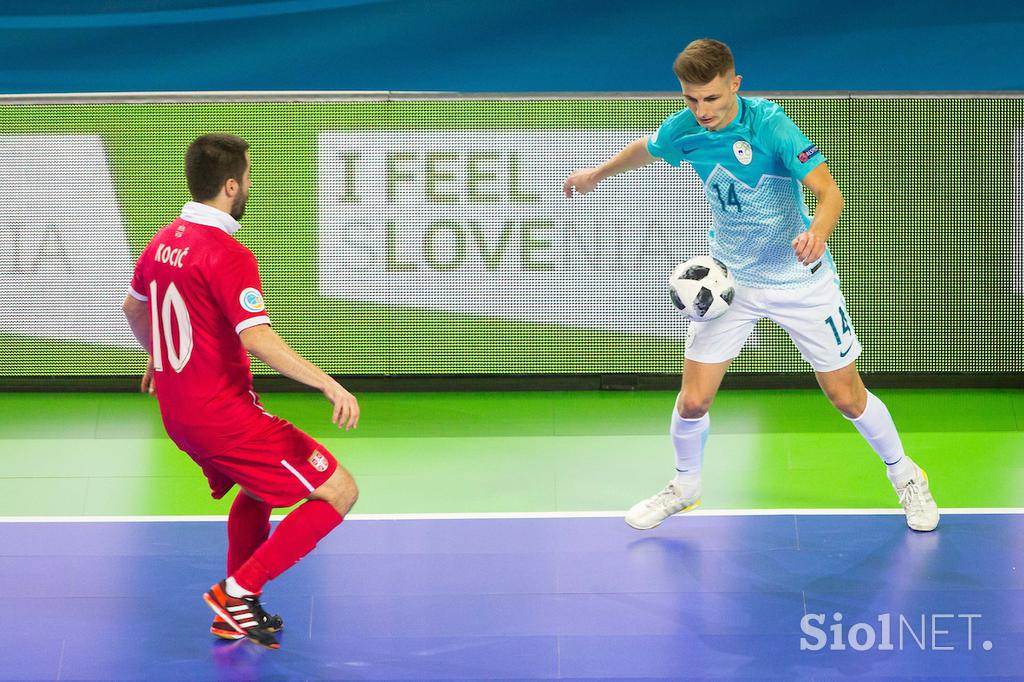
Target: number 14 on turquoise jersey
730	198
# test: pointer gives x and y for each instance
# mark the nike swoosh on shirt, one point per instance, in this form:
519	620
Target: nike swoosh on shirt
844	353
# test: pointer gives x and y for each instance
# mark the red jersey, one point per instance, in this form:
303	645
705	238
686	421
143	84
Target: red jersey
203	289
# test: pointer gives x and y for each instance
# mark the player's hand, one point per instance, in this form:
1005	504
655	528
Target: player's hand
346	407
580	182
809	247
148	385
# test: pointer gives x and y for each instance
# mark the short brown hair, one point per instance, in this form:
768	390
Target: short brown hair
702	61
211	160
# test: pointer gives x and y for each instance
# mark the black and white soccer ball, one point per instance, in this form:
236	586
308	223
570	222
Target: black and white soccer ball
702	287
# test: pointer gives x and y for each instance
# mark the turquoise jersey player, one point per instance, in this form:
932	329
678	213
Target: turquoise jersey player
752	170
754	163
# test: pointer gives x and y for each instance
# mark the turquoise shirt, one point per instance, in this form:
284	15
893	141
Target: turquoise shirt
752	170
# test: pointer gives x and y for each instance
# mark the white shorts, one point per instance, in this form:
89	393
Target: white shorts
815	318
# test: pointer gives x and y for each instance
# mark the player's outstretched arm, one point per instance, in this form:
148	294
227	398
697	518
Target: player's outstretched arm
264	343
635	155
810	245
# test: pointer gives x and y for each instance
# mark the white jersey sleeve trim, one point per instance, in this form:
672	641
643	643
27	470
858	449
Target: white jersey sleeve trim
251	322
137	296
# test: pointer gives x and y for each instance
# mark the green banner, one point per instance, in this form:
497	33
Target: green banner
411	237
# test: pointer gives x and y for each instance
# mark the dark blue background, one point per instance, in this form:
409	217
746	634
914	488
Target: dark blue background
482	46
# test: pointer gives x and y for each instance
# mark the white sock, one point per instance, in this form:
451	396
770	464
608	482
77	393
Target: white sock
879	431
688	437
235	590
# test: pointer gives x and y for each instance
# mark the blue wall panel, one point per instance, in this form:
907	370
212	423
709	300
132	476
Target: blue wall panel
479	46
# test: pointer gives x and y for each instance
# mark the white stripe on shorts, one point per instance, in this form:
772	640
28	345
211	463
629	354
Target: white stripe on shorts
299	476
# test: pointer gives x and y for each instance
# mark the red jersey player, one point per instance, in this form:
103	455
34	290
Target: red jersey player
196	305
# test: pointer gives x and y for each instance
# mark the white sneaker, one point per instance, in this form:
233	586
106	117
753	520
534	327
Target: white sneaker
918	504
648	513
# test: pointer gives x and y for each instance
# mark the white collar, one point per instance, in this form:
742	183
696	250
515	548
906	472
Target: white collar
203	214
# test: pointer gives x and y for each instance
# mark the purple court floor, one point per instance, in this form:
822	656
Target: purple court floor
529	598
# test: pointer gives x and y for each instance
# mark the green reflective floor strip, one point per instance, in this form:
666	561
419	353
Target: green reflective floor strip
107	454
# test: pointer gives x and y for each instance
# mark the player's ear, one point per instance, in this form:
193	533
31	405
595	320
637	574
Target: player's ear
231	187
736	83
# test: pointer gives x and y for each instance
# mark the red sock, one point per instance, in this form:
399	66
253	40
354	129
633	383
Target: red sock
295	537
248	528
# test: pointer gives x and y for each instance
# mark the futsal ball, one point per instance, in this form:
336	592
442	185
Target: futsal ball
702	288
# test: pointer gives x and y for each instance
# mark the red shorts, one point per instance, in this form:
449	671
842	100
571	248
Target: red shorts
280	465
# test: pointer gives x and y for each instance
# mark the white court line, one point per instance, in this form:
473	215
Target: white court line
518	515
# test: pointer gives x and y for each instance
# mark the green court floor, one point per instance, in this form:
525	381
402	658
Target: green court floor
107	454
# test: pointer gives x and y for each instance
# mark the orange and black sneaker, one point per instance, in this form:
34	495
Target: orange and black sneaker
221	628
244	615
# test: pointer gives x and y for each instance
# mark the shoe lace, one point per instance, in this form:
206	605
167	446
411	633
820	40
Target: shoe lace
668	494
257	610
909	495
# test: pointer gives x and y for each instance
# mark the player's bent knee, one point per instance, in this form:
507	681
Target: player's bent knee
692	407
848	403
848	399
339	491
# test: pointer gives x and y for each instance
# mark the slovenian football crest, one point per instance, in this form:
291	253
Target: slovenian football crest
743	152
